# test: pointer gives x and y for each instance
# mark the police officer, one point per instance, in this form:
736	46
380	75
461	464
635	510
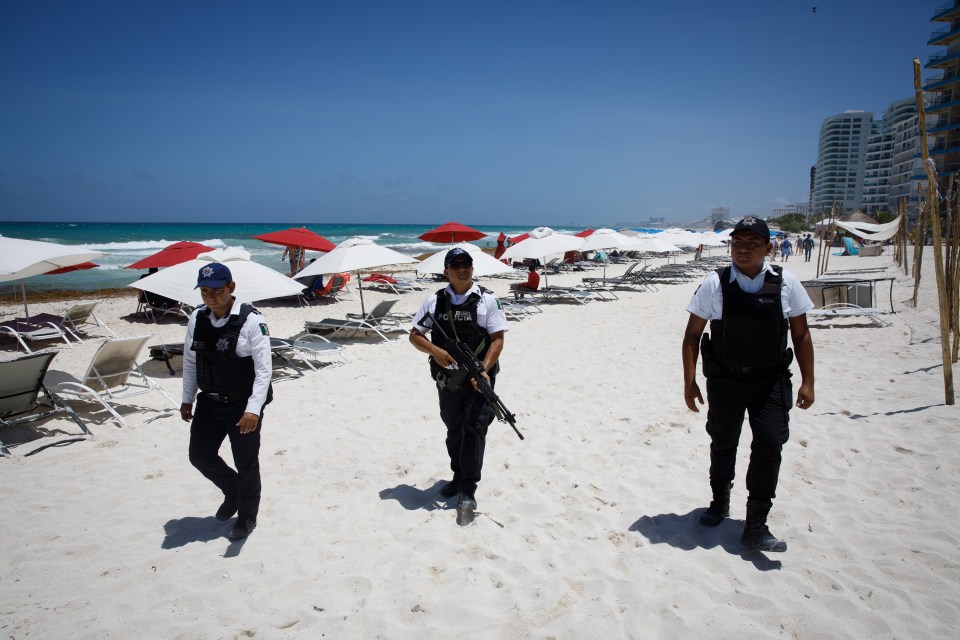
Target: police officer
227	356
751	305
473	315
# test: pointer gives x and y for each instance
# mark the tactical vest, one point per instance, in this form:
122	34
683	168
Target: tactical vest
219	369
465	327
750	339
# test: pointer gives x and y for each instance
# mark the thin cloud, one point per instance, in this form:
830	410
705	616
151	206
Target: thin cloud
80	182
349	182
403	180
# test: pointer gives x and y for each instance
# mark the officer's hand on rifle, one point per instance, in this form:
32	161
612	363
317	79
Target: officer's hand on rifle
441	357
474	382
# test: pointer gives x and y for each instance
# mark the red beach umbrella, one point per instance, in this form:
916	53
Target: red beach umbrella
297	237
170	255
519	238
76	267
452	232
500	245
585	233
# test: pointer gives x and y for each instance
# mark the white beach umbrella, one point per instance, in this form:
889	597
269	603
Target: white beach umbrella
681	237
355	254
483	263
652	244
24	258
605	239
254	280
711	239
543	242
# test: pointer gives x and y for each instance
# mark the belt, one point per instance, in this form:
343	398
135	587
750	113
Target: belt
221	398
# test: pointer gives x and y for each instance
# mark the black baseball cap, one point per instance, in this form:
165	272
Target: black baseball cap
455	253
755	225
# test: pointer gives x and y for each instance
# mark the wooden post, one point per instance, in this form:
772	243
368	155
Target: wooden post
919	242
934	206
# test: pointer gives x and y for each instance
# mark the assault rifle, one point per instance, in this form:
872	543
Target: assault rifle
473	368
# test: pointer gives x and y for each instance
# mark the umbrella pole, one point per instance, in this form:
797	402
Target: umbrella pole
360	285
23	292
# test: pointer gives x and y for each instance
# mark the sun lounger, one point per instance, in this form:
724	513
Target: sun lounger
308	348
23	331
74	322
379	321
113	374
847	310
21	388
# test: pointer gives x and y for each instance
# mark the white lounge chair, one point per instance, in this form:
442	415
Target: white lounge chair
379	321
847	310
21	388
308	349
75	321
23	331
113	375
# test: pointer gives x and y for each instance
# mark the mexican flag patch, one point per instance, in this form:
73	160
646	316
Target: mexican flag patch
264	330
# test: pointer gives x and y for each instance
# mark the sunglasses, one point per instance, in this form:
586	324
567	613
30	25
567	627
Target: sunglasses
461	265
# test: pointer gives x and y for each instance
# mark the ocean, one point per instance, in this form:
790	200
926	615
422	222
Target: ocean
125	243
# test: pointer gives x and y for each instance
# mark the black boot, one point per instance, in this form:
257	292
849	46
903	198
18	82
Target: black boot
756	535
719	507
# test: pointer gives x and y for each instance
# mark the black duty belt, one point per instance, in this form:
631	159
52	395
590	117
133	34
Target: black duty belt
221	398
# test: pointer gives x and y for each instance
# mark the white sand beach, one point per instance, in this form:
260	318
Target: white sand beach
588	527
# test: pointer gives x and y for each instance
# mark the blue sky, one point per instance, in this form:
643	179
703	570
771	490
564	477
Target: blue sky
520	112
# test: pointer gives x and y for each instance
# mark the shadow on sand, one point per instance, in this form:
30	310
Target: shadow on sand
181	532
412	498
684	532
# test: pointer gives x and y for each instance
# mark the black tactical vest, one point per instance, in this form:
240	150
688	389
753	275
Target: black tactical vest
750	339
219	369
465	327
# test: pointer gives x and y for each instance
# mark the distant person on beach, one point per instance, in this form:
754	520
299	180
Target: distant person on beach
807	247
532	283
471	314
774	249
296	259
751	306
786	249
227	357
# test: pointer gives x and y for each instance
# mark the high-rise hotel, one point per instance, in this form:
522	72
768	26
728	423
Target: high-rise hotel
943	131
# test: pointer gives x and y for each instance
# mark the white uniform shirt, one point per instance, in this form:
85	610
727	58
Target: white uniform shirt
707	302
252	341
490	316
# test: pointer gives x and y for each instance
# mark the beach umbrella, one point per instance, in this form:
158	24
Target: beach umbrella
585	234
354	254
254	280
452	232
652	244
297	237
21	259
170	255
77	267
483	263
501	247
605	239
543	242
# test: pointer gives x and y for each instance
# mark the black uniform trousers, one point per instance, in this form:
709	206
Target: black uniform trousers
212	422
767	404
467	414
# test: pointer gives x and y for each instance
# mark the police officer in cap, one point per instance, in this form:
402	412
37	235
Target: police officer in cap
751	306
473	315
227	356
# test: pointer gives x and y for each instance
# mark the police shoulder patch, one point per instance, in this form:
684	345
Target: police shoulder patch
498	305
263	329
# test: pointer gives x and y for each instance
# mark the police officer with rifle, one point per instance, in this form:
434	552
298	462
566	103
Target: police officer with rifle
471	316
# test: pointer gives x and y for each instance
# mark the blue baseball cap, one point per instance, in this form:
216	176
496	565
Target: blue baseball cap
454	253
214	275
